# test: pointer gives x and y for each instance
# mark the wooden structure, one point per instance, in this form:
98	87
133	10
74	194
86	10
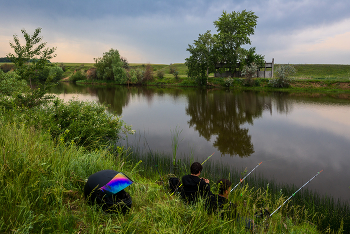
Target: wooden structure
262	72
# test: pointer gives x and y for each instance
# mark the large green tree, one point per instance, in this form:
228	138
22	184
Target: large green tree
110	67
202	59
32	57
233	32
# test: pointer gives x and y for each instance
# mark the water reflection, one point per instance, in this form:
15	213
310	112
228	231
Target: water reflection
295	135
224	115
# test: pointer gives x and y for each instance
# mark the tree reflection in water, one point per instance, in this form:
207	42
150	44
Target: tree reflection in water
224	114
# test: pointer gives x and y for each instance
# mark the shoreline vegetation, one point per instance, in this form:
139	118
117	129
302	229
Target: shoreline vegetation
50	147
48	151
43	193
329	78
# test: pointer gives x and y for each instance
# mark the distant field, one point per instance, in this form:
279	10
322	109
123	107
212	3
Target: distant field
321	71
304	71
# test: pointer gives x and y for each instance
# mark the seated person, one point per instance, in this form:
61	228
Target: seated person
118	202
220	204
193	186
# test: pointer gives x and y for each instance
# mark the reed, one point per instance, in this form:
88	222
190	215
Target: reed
42	192
323	211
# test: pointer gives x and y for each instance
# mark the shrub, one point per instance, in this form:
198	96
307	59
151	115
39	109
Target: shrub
91	74
132	75
110	67
283	72
148	74
63	66
86	124
125	62
249	72
7	67
11	82
176	74
160	74
78	75
228	81
54	73
172	68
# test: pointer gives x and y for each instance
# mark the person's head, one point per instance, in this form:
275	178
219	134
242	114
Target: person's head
196	168
224	185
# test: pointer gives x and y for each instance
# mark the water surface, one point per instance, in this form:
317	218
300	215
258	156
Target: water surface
294	135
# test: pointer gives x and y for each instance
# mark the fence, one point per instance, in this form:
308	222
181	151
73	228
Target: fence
263	72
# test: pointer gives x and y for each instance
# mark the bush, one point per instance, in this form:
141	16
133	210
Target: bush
176	74
11	83
229	81
249	72
7	67
54	73
63	66
86	124
148	74
160	74
110	67
172	68
283	72
78	75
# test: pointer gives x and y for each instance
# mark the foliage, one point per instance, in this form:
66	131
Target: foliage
225	47
52	72
160	74
249	71
283	72
125	62
14	92
202	59
7	67
171	68
51	177
234	30
78	75
84	123
132	76
11	83
148	74
31	58
110	67
176	74
229	81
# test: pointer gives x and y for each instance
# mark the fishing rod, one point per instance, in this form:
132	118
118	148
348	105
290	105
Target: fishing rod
241	180
201	164
295	193
156	164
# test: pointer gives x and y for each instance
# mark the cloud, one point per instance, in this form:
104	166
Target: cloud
299	31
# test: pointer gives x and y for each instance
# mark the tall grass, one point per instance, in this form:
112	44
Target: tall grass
324	212
42	192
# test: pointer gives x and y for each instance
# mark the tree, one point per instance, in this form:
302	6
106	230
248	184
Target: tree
201	61
32	57
234	30
110	67
224	47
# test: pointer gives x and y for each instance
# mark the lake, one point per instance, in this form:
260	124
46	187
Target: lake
295	135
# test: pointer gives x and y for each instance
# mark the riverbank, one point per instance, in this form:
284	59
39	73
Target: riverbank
43	193
308	78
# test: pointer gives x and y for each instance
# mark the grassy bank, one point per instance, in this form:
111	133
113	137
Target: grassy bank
43	193
308	78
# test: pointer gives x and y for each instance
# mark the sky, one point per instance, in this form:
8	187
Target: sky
159	31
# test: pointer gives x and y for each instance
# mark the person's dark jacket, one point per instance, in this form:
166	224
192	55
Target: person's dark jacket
119	202
193	187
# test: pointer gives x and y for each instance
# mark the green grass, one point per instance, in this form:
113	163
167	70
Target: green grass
322	71
42	192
